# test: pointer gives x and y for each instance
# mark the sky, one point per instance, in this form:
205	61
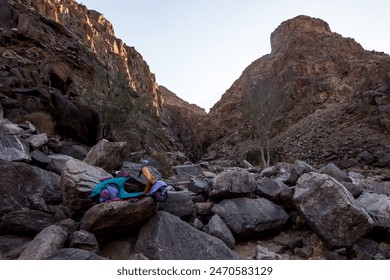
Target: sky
198	48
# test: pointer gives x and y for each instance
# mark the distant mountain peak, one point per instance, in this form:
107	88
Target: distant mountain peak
298	26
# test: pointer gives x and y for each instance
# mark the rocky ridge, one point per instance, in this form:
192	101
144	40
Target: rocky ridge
338	96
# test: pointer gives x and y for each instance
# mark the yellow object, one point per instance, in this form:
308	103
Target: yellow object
149	178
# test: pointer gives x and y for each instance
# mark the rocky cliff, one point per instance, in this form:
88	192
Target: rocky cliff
337	96
62	63
181	117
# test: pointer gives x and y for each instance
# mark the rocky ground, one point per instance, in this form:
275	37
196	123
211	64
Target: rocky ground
214	211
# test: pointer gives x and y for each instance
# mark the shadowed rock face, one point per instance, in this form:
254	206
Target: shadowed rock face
337	92
62	59
180	117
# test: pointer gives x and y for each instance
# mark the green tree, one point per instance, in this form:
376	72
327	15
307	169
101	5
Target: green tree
120	109
265	102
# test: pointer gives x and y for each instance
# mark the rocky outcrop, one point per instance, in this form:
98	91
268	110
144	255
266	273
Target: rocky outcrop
63	62
181	118
334	97
98	34
41	64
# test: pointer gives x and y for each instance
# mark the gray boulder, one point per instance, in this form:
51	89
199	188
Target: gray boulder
57	163
13	148
234	182
217	228
12	154
248	217
107	155
378	206
26	222
188	170
85	240
285	172
179	204
19	180
77	182
118	217
198	186
45	243
379	187
330	210
9	128
37	140
166	237
336	173
73	150
270	188
303	167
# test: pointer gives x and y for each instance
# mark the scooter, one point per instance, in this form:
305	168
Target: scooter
157	191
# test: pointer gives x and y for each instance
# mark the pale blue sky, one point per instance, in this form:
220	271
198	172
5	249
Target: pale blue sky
198	48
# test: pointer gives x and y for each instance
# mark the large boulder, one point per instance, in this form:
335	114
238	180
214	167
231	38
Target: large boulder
217	228
45	243
19	180
248	217
28	222
9	128
286	172
335	172
378	206
166	237
270	188
234	182
330	210
179	204
77	182
106	220
379	187
85	240
57	163
198	185
107	155
13	148
188	170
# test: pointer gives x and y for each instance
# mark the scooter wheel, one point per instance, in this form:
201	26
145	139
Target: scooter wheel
160	195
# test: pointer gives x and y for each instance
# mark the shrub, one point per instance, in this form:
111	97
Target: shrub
42	121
